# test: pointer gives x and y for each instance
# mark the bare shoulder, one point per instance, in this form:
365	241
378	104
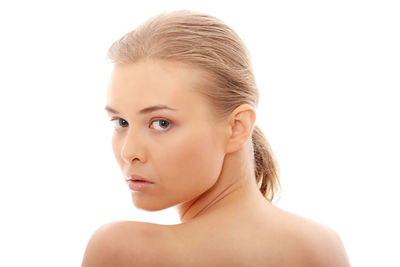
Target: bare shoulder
279	239
312	243
129	243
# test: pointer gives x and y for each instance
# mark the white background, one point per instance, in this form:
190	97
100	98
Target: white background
328	72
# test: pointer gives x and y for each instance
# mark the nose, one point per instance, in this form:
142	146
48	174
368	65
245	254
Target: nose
133	148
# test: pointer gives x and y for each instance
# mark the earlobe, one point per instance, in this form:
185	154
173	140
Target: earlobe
241	123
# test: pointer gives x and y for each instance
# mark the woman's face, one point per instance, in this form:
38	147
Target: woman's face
178	148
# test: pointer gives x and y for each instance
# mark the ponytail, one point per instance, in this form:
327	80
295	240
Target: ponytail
266	166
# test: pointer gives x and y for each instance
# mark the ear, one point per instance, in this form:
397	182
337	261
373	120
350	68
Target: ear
240	127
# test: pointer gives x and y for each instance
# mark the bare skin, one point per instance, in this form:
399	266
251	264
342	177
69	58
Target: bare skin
225	219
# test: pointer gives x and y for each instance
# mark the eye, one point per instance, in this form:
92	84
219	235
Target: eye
160	125
119	122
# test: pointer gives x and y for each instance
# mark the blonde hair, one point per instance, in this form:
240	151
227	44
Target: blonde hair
206	42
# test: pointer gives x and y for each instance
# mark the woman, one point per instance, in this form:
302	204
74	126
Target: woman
182	98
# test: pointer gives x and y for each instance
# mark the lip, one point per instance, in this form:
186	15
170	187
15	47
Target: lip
136	178
137	183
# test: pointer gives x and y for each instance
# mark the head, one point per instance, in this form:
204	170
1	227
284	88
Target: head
197	74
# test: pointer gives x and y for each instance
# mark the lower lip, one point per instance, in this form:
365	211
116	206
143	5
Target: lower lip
138	186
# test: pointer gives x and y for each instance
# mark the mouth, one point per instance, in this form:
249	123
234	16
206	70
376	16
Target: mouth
137	183
137	179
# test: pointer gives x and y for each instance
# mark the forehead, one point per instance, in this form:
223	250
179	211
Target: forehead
154	82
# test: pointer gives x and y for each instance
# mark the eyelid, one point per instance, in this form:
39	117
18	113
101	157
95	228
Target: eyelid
161	119
170	123
116	119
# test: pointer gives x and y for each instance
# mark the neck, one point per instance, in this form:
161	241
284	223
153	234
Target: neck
236	182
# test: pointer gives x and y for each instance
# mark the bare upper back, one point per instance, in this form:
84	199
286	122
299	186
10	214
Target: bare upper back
273	238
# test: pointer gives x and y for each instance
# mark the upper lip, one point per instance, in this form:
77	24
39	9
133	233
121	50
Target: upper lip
134	177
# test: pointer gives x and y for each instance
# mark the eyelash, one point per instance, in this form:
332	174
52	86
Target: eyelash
151	122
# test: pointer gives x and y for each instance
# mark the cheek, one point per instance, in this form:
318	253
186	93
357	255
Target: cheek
194	162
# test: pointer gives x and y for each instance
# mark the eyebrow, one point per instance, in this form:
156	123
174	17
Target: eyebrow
142	111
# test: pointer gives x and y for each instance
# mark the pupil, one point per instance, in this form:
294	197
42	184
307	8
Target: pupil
122	122
163	123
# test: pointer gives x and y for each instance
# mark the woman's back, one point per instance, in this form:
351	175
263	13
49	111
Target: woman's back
259	236
239	236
